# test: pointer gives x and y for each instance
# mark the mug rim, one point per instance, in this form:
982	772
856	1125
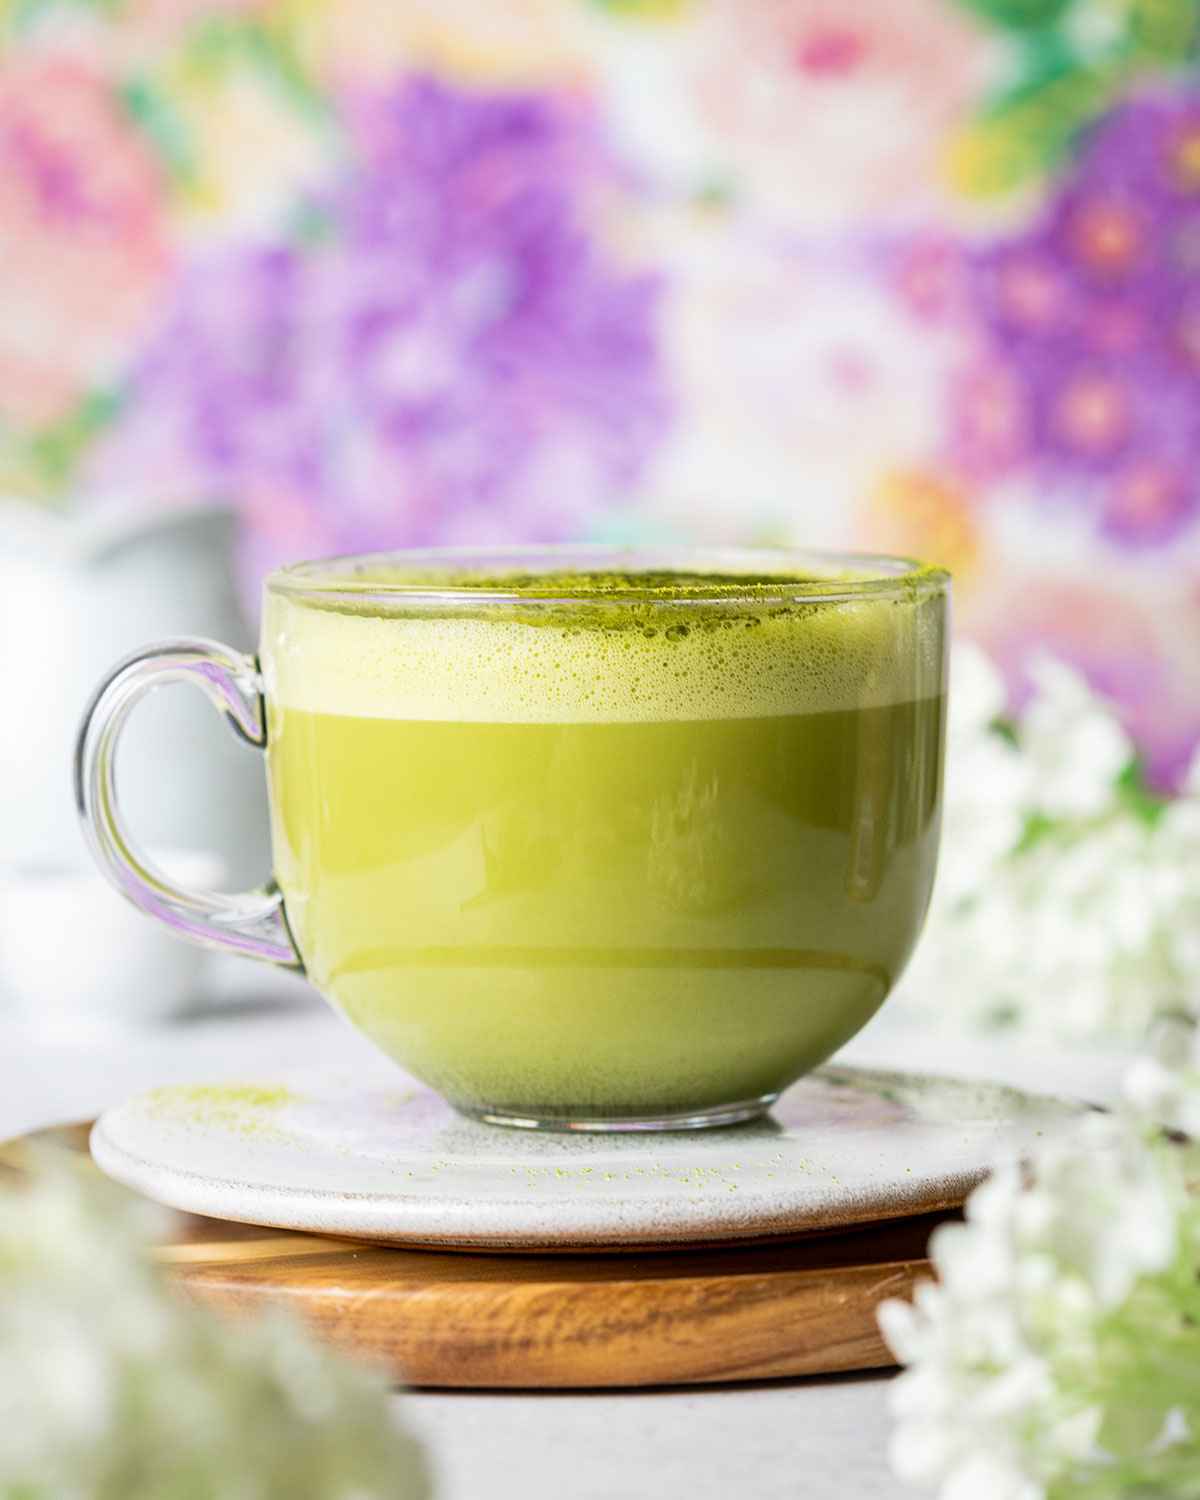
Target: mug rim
509	575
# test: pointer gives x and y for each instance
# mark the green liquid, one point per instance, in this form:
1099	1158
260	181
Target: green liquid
614	845
609	918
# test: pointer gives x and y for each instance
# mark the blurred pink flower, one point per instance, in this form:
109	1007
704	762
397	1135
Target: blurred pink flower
928	273
83	241
798	384
828	109
1133	644
989	421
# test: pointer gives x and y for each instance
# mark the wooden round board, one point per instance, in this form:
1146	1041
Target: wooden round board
802	1306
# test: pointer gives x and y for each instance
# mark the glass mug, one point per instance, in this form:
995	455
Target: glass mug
584	839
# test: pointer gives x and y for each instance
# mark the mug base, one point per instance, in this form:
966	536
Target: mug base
710	1118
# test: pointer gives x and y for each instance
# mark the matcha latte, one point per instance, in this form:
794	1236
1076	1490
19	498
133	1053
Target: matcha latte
592	841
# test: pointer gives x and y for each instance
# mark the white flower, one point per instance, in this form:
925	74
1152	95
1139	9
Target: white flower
977	693
1063	937
1176	887
1164	1083
1076	747
1054	1341
986	779
1058	1354
112	1385
1072	908
1099	1210
1094	32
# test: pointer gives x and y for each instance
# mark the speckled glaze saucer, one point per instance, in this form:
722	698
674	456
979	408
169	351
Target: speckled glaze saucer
382	1158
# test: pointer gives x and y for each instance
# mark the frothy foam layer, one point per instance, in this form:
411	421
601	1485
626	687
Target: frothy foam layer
638	666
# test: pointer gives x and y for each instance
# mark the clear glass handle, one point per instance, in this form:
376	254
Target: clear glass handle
252	922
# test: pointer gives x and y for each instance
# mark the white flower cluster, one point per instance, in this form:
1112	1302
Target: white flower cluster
114	1388
1058	1357
1164	1082
1069	897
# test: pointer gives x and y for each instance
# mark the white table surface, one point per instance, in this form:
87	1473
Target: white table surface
817	1438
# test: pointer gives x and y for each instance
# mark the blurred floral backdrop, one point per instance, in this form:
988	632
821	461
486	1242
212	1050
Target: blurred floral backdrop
922	274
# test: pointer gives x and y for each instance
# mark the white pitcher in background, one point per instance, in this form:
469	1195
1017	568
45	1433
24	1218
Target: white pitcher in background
74	593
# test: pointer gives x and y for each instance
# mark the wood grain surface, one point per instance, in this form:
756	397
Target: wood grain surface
434	1318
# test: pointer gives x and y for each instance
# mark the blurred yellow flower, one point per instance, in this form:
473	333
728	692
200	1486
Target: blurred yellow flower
251	141
649	10
989	157
927	515
1001	152
525	42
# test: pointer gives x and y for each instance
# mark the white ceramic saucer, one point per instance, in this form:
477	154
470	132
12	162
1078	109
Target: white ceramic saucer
382	1158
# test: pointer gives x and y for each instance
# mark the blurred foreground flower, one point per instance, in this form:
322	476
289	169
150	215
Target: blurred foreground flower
1068	897
112	1388
1059	1357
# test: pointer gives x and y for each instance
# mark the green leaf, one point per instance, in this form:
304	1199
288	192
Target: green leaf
220	44
157	118
1028	130
1164	32
56	450
309	225
1018	14
1038	828
1006	729
1136	795
646	10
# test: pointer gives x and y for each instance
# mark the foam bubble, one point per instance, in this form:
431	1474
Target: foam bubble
494	668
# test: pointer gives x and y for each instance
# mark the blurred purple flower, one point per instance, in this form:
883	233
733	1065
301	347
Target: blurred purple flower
1089	374
447	354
